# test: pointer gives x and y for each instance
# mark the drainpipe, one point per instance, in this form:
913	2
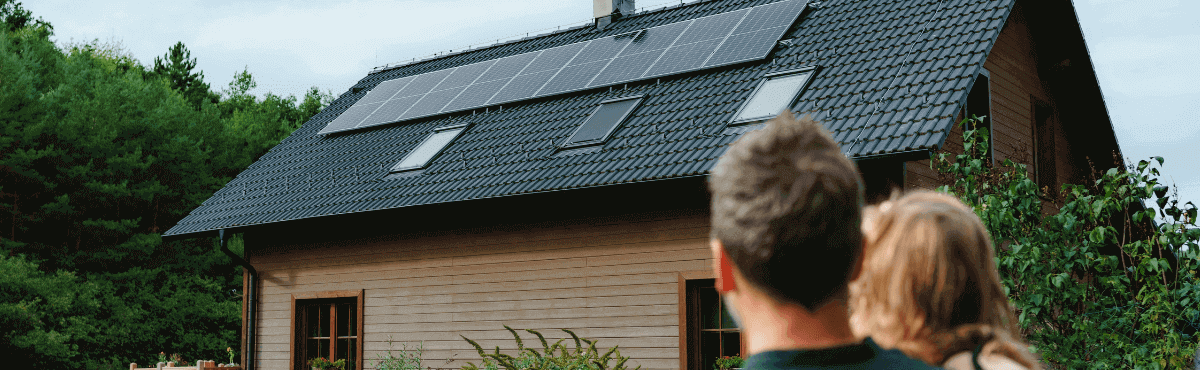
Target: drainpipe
252	302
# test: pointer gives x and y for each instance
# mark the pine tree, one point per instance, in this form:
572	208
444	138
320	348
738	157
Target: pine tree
176	66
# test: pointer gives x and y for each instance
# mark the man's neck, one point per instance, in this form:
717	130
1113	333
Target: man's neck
769	325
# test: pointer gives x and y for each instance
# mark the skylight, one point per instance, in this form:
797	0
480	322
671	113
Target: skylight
777	93
603	121
429	148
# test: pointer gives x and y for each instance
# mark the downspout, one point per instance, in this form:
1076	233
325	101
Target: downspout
252	302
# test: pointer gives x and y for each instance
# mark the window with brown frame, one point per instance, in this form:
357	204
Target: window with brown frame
711	331
328	328
1045	171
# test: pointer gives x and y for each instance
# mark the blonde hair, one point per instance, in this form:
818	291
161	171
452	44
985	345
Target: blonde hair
929	285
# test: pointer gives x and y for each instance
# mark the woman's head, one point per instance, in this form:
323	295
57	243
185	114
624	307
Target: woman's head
928	274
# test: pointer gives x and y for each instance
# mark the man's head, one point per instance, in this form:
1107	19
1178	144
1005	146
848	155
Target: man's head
786	209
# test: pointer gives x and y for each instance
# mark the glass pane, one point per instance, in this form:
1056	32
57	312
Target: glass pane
773	97
727	319
311	320
346	349
343	320
731	343
424	152
710	349
709	309
602	122
353	320
314	348
323	324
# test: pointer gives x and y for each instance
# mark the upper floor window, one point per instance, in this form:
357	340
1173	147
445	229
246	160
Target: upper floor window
429	148
778	92
979	103
603	121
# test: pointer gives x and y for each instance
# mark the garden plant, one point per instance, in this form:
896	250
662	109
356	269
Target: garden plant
552	356
1099	278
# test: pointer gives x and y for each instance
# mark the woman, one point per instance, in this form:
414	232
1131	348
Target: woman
930	288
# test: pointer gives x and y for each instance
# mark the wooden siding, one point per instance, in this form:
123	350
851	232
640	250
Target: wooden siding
612	279
1014	85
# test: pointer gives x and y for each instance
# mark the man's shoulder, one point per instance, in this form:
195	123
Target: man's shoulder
864	356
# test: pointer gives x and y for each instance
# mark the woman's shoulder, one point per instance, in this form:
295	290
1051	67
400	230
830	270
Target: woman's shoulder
963	361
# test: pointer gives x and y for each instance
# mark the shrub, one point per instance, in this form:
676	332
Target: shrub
405	359
581	358
1101	281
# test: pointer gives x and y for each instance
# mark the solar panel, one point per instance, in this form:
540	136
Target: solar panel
717	40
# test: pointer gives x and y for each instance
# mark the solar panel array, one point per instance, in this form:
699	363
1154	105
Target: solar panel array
707	42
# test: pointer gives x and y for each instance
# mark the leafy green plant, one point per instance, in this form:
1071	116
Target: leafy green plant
728	362
404	359
552	356
231	353
324	364
1099	280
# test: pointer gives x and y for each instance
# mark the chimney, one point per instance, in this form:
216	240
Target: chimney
607	11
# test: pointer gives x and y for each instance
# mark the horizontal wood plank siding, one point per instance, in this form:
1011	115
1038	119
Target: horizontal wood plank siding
1014	82
614	280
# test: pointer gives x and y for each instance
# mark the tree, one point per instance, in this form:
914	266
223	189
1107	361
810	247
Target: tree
98	157
15	17
1099	280
177	66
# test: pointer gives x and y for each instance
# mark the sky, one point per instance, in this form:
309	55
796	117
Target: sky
1144	51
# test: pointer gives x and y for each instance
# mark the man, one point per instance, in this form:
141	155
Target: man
786	240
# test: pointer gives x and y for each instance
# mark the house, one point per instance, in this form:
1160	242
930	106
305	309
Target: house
558	181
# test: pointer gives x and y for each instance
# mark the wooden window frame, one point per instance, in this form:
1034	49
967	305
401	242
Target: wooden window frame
294	341
689	320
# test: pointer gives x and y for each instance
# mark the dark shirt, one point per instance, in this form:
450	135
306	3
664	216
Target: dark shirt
865	355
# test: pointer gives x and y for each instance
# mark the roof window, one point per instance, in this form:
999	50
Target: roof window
777	92
603	121
429	148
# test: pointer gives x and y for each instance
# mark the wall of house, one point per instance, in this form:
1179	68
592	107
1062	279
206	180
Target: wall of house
1015	84
614	279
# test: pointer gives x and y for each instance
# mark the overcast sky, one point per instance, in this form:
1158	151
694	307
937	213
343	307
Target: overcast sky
1144	51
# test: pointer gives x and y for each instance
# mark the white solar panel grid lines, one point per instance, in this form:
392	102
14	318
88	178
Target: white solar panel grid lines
707	42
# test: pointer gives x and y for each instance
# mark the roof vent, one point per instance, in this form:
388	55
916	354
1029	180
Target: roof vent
607	11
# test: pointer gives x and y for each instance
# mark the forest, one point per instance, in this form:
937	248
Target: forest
99	155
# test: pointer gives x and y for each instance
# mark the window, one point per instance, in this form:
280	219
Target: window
711	331
1045	170
429	148
603	121
979	103
778	92
328	325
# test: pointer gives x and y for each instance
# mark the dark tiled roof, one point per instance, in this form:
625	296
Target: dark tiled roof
892	75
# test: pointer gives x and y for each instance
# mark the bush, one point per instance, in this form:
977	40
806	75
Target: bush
1101	281
581	358
405	359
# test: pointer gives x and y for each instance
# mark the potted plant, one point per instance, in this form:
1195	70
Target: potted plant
231	355
729	362
320	363
162	359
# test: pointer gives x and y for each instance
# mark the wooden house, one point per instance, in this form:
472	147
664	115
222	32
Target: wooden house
558	181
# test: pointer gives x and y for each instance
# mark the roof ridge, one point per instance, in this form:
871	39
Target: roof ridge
527	35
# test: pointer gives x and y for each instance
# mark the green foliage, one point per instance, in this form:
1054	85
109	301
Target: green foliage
552	356
14	17
99	155
1099	281
177	68
728	362
404	359
324	364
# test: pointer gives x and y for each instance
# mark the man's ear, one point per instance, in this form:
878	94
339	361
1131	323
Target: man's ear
722	267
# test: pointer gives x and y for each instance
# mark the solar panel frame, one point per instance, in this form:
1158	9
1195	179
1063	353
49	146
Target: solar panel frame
541	73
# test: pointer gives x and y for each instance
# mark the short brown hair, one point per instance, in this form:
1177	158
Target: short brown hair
786	206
